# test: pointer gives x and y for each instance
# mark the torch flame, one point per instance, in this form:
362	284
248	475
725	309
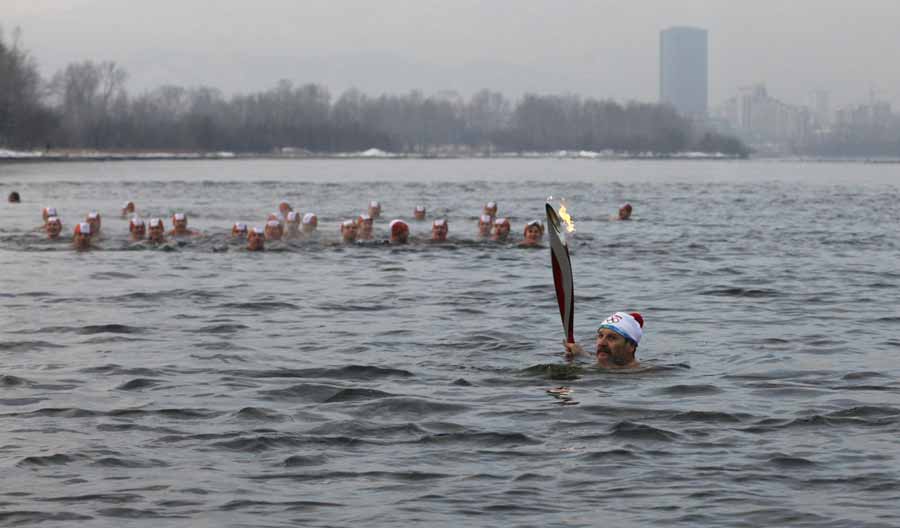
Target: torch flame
566	218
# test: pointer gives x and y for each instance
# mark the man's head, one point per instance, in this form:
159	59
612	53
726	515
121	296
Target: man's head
128	208
485	223
155	230
239	230
349	231
501	229
93	218
14	197
82	236
365	224
490	209
309	223
625	212
284	208
53	227
399	232
618	337
374	209
439	230
534	232
179	223
274	231
137	228
419	212
256	239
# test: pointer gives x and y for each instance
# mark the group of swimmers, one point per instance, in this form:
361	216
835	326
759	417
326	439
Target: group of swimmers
288	224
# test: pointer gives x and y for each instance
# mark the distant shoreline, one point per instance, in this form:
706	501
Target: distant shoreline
7	156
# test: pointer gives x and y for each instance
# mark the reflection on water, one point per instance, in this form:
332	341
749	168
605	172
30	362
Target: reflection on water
319	384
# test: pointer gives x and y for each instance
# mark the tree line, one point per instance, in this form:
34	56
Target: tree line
86	105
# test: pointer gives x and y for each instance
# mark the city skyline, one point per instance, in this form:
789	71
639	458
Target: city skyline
598	49
684	70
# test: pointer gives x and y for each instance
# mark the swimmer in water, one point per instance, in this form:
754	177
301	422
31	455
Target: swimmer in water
419	212
617	341
349	231
239	230
81	238
485	223
128	209
366	225
399	232
309	223
284	208
53	227
625	212
490	209
256	239
156	231
180	226
439	230
292	224
137	228
374	209
14	197
273	230
501	230
93	218
534	233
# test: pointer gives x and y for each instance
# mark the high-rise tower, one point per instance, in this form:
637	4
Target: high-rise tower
684	70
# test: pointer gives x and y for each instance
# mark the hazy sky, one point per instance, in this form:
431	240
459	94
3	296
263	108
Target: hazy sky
599	48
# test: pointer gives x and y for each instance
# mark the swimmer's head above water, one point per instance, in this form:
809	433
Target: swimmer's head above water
81	236
374	209
256	239
419	212
485	223
309	223
128	208
156	230
439	230
274	230
501	229
239	230
617	341
93	218
47	212
137	228
625	212
534	232
349	231
490	209
53	227
399	232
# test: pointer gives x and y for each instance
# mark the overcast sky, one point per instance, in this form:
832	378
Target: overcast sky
598	48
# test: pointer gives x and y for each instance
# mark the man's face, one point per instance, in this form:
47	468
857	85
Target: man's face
95	224
613	347
138	232
501	231
82	241
439	233
284	208
484	228
375	211
624	213
348	232
532	234
255	241
53	229
273	232
180	225
155	233
419	214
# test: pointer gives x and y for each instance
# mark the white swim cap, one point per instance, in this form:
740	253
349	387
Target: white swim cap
501	221
439	223
179	216
155	222
135	221
309	217
630	326
83	228
374	203
93	215
293	216
273	223
51	211
485	219
420	208
491	205
240	226
54	220
365	216
347	223
259	231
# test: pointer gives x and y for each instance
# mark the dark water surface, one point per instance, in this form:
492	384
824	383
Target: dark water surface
321	385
